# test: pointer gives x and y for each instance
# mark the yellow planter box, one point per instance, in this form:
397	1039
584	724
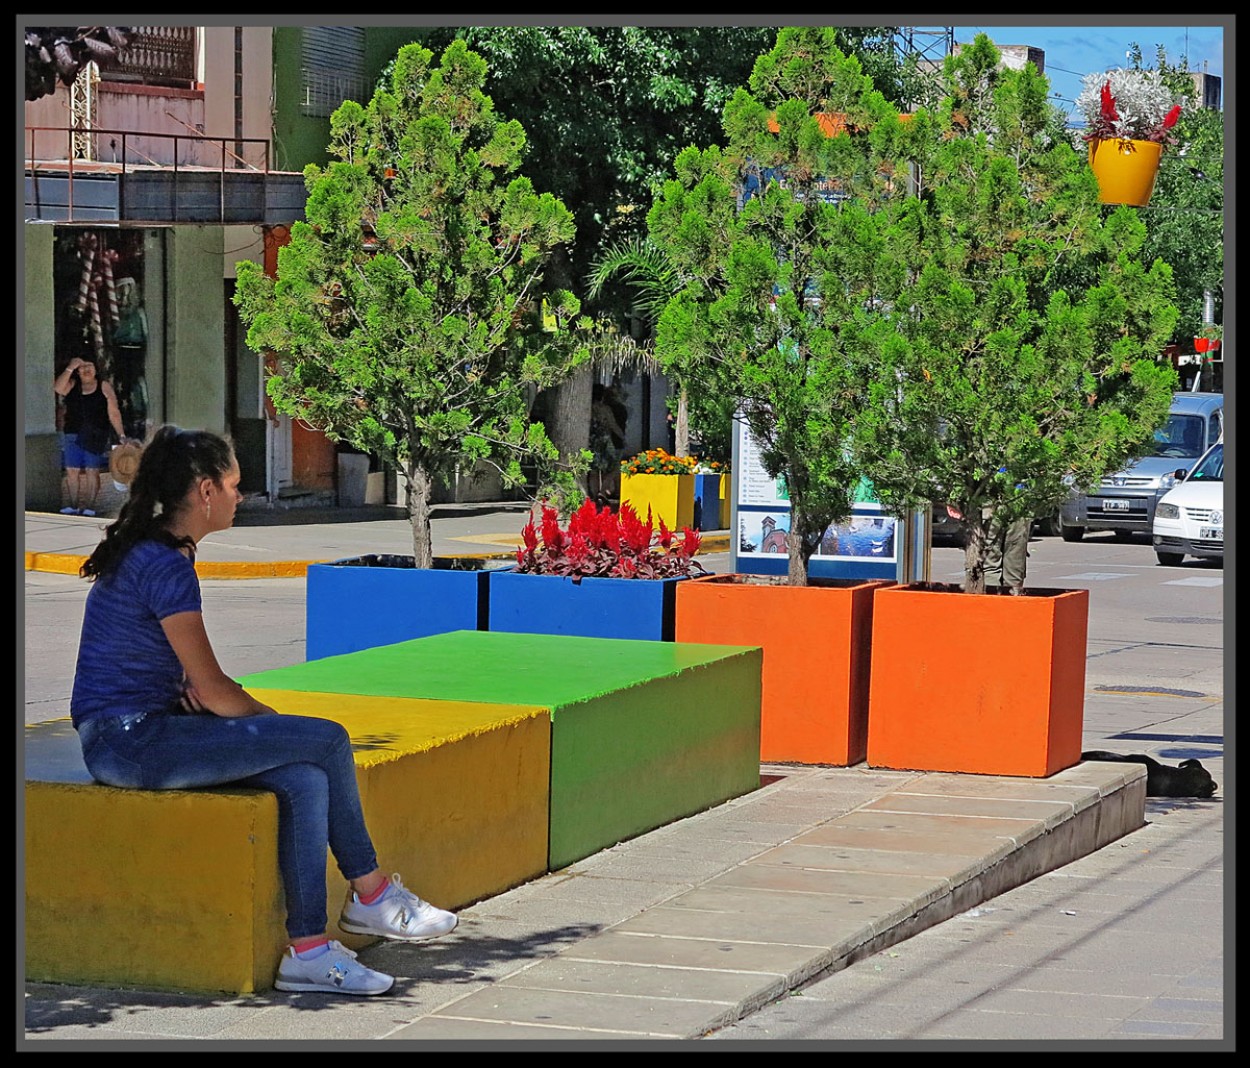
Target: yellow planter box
670	497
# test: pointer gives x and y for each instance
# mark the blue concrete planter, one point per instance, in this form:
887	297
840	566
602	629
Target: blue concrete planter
364	601
711	503
592	608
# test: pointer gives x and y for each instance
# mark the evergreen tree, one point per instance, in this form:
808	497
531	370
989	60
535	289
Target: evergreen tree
937	302
408	311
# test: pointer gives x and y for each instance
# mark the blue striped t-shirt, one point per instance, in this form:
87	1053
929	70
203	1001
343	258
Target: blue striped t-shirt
125	662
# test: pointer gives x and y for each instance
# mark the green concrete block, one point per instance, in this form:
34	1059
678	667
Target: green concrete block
643	732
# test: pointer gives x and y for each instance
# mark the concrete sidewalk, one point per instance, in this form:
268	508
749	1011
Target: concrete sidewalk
279	542
702	927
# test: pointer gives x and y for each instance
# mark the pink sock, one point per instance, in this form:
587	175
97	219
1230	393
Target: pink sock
313	949
374	896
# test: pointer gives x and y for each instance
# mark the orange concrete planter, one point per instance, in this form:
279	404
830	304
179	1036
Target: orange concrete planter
814	700
1126	170
989	684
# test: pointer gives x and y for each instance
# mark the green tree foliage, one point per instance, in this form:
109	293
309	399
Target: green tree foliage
606	108
1185	218
767	287
938	303
406	313
1018	349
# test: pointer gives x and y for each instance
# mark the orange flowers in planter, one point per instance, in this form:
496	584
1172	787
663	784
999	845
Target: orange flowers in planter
659	462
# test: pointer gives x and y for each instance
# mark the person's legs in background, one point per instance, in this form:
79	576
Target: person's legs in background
1015	554
1007	554
82	477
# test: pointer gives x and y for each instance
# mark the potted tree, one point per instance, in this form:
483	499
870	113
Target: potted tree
1018	349
1129	115
772	276
406	320
604	575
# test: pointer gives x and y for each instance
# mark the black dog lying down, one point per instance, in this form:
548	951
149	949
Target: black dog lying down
1188	779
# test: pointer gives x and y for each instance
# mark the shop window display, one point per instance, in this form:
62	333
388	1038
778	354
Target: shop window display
100	313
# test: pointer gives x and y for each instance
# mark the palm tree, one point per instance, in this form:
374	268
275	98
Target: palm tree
655	280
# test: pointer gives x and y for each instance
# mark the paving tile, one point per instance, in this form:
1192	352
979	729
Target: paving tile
894	840
452	1029
858	887
717	954
1046	811
643	1016
608	977
819	932
924	867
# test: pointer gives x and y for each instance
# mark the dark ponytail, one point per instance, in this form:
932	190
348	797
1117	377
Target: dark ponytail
171	463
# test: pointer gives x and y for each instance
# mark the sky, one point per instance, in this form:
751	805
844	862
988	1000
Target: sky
1072	51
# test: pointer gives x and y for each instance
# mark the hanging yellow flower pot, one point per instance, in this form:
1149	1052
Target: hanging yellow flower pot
1125	169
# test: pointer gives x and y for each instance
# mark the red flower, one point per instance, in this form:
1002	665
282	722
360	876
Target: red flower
1109	112
606	544
553	537
1170	119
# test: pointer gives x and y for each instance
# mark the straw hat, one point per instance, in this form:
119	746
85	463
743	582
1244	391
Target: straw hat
124	462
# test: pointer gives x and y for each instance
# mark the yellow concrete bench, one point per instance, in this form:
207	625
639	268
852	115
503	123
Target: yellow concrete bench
179	889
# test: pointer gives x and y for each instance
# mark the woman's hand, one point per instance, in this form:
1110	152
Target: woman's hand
190	700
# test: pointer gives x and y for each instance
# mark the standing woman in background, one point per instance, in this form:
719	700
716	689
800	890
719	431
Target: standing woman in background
91	411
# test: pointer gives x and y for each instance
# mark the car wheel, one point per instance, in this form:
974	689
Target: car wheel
1072	533
1050	526
1170	559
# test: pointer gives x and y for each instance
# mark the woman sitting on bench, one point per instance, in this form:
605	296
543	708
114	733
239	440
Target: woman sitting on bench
172	719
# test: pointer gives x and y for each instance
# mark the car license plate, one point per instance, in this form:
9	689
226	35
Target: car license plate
1114	505
1210	533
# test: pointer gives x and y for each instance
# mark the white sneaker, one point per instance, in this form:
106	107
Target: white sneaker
335	972
87	511
67	510
398	914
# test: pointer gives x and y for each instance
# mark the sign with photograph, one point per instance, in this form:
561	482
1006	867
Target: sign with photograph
865	546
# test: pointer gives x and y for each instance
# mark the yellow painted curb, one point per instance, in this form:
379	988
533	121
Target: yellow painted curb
67	564
57	563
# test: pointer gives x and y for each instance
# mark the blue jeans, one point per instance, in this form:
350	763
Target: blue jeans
306	762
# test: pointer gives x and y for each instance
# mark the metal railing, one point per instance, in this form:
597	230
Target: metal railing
211	153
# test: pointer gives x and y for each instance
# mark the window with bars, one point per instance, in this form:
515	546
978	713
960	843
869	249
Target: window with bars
159	55
332	68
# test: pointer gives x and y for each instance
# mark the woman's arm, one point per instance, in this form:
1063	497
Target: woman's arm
209	688
64	382
114	412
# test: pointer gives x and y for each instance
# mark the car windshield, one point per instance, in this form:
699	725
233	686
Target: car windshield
1211	469
1183	438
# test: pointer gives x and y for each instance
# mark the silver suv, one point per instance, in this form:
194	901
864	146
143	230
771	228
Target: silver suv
1125	501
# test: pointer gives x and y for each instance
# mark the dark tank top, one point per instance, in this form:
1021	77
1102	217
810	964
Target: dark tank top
87	415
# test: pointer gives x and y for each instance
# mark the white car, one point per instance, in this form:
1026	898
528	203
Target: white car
1189	518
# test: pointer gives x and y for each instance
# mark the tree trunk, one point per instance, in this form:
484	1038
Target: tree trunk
681	425
569	429
420	489
975	545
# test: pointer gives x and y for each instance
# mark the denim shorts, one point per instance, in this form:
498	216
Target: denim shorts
76	457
